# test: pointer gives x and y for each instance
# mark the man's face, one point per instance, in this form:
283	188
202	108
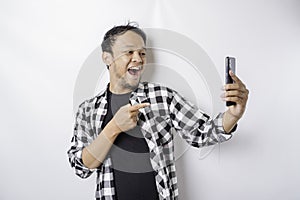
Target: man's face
129	57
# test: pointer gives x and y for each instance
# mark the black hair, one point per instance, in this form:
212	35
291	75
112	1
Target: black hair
111	35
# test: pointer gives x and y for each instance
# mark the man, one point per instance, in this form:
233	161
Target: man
125	132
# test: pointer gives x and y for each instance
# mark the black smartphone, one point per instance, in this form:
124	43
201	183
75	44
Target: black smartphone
229	65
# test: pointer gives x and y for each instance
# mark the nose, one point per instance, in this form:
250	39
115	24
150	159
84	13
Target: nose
136	57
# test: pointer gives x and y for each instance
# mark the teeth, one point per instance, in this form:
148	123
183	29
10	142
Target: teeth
135	68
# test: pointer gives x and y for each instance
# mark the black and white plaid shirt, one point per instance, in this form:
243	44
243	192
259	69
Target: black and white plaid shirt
168	110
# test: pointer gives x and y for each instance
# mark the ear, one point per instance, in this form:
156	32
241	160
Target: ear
107	58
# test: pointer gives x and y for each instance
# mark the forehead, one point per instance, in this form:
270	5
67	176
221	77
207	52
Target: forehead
129	39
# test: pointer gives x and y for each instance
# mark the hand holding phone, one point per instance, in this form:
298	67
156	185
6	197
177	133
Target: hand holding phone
229	65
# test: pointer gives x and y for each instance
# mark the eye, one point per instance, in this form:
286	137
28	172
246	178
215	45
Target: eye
130	52
143	54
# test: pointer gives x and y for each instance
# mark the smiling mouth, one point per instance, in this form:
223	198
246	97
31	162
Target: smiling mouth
134	70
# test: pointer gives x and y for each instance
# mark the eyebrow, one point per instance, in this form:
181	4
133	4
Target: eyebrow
130	46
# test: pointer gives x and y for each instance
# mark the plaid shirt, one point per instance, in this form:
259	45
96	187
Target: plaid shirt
168	112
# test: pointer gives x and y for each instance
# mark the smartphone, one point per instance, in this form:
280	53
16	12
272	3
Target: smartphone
229	65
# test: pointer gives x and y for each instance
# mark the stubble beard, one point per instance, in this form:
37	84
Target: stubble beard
131	87
124	83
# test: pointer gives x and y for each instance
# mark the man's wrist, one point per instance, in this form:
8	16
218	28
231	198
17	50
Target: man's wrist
229	121
113	128
234	117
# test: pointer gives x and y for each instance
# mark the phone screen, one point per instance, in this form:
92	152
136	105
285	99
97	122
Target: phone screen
229	65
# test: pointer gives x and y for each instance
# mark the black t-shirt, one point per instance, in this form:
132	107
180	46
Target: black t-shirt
133	174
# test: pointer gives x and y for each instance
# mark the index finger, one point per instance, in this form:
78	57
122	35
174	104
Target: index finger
138	106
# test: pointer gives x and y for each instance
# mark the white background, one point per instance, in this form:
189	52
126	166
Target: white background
44	43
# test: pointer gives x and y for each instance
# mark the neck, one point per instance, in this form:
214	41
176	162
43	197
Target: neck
119	90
